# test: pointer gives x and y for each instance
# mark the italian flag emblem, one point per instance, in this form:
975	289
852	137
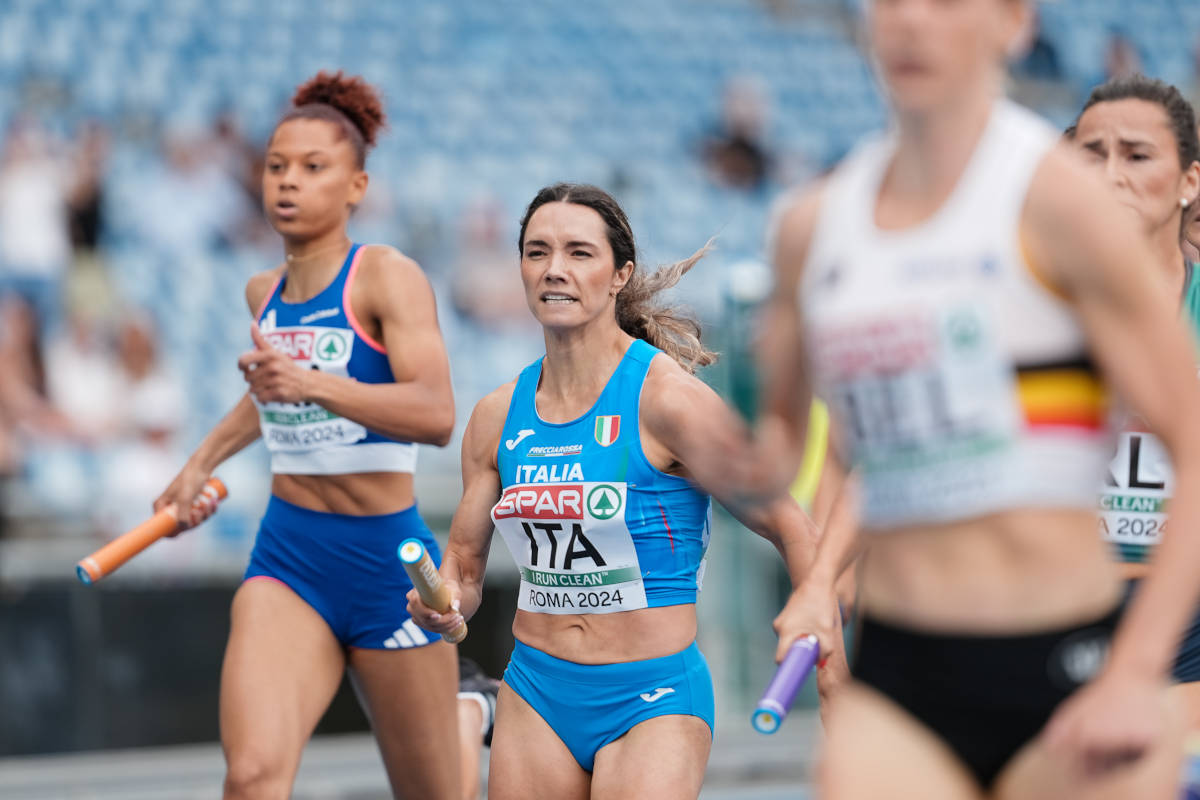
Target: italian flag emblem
607	429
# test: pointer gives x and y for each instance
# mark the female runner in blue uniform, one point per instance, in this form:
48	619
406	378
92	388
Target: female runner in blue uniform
584	466
968	293
347	374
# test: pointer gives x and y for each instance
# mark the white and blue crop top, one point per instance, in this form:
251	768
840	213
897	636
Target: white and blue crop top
593	526
322	333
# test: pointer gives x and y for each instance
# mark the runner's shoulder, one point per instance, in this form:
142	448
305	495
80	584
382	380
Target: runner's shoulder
382	262
482	437
793	224
260	285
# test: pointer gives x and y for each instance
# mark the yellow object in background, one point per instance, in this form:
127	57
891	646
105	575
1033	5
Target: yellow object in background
804	488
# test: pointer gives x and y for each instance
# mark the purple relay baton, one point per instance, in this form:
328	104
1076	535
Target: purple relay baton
781	691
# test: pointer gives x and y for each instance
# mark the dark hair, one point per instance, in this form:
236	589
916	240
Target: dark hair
665	327
1180	115
348	102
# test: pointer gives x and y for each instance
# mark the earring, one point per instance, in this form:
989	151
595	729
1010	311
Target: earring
1183	202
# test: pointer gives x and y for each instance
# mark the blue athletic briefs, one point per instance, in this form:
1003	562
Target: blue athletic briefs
346	568
591	705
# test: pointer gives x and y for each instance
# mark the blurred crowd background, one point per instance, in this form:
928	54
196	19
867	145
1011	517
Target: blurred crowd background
131	137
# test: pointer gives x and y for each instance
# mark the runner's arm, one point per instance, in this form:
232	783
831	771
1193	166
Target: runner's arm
236	430
682	413
782	356
465	559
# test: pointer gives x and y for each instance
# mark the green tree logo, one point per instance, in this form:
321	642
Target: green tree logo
330	347
604	501
966	332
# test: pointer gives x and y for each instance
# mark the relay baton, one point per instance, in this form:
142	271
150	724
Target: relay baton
781	691
429	584
165	522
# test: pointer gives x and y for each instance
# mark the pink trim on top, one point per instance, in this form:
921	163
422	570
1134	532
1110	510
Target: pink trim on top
262	309
353	320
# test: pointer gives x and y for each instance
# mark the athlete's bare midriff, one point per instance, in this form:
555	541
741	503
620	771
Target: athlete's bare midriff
1006	573
609	638
359	494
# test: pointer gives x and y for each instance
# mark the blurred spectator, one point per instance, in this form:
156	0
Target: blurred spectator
152	411
34	244
86	200
486	286
81	375
188	204
234	154
25	410
242	162
153	403
736	154
1041	58
1121	58
493	335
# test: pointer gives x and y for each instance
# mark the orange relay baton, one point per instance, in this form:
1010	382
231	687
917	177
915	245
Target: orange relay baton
428	583
165	522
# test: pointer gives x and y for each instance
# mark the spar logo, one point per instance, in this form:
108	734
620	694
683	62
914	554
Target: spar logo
604	501
331	346
554	501
297	344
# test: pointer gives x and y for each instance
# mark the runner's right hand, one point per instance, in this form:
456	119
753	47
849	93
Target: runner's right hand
184	492
813	608
431	620
810	609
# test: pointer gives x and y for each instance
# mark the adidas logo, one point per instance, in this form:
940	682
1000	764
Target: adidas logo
407	635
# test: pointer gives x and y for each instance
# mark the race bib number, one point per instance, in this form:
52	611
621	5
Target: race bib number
572	547
300	427
1133	502
928	408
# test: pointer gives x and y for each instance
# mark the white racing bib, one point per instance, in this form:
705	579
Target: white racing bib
302	427
929	410
1133	503
572	546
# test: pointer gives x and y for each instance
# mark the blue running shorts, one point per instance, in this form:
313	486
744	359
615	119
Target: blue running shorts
346	568
590	705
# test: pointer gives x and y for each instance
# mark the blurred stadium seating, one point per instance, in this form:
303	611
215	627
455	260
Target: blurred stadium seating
485	99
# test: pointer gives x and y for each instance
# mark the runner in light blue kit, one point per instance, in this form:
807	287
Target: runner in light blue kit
584	465
596	528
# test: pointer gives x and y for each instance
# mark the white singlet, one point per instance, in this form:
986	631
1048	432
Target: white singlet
961	385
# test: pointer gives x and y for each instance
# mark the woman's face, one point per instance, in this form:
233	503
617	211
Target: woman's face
311	179
1131	142
567	266
934	52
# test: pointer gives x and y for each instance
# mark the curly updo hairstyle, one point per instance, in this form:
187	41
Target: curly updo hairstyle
348	102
